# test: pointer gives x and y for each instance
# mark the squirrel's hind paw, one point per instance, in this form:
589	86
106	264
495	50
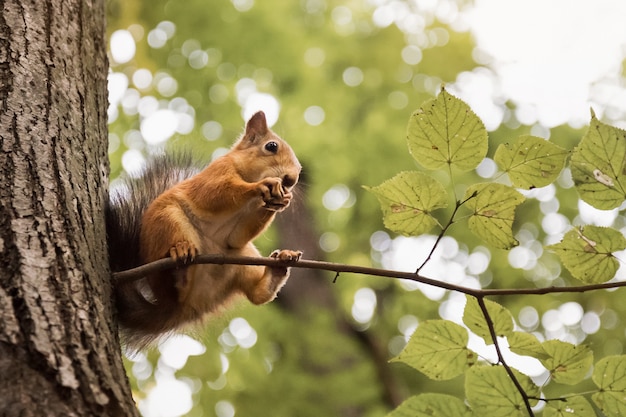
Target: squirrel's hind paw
286	255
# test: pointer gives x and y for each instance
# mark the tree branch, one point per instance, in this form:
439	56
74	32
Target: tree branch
219	259
507	368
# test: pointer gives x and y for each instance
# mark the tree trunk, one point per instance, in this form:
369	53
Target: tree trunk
59	352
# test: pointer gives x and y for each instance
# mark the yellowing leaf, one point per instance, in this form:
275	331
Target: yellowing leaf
431	405
475	320
567	363
598	166
445	131
531	161
493	207
587	253
438	349
407	201
490	392
526	344
569	407
609	375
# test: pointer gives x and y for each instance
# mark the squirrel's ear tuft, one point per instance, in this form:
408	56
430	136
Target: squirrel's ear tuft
257	125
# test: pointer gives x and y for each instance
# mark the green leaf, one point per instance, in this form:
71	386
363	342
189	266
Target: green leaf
587	252
407	201
490	392
567	363
526	344
474	319
493	207
431	405
570	407
609	375
438	349
445	131
598	166
531	161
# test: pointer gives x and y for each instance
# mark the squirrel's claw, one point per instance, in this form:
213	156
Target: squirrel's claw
183	252
286	255
275	196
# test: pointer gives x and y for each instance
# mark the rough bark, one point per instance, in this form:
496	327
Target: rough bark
59	353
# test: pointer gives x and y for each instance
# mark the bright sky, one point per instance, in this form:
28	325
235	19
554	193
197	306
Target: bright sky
554	58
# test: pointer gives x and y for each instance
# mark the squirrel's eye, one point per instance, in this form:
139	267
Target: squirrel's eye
271	147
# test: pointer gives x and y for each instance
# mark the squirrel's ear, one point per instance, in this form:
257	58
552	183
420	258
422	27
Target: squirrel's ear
257	125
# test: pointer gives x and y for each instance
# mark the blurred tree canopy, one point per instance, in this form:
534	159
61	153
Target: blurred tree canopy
346	83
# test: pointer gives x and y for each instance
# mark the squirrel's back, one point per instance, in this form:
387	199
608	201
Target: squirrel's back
124	213
128	202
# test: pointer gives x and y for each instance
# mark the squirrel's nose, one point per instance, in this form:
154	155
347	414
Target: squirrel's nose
289	181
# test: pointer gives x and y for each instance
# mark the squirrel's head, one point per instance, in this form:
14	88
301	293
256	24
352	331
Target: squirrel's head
263	154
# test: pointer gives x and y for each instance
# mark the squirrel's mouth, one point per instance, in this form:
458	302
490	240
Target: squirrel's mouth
275	206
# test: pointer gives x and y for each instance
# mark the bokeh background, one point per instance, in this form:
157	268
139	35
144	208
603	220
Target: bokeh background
338	80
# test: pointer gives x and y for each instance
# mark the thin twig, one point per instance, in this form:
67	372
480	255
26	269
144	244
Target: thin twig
444	230
509	371
167	263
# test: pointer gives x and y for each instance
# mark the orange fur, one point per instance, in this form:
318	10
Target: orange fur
219	210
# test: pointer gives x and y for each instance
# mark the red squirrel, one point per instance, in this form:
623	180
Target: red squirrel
170	210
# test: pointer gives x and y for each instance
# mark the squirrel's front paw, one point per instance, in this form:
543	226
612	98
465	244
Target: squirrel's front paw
286	255
183	252
275	196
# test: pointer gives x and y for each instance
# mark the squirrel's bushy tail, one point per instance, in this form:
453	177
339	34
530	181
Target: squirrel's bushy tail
137	315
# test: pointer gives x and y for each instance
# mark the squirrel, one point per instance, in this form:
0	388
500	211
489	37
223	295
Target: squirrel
171	210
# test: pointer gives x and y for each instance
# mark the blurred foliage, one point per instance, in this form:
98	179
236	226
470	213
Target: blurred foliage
298	51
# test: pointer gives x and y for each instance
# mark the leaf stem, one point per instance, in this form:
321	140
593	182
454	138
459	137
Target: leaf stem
565	397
